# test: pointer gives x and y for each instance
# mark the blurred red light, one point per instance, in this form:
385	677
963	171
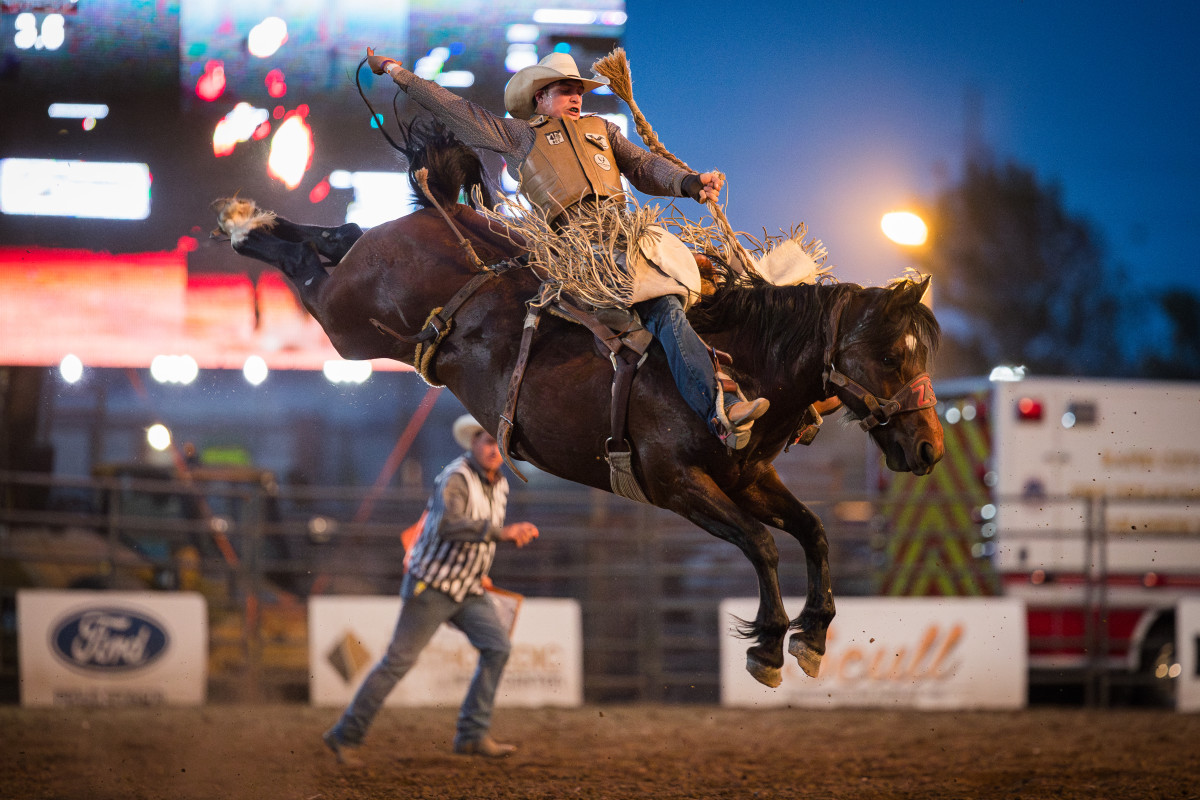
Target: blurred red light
276	86
1029	410
211	84
319	192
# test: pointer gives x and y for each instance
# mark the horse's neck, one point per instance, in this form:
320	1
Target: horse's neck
491	242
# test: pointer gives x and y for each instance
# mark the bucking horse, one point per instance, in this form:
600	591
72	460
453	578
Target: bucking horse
446	290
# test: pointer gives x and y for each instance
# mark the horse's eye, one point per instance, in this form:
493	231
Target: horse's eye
890	362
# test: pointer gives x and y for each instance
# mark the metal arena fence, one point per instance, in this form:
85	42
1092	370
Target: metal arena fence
648	582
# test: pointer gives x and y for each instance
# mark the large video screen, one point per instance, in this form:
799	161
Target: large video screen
125	119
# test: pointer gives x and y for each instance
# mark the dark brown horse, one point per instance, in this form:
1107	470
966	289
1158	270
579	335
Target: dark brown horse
794	345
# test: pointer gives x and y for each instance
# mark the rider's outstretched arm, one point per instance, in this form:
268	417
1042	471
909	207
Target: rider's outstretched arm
473	124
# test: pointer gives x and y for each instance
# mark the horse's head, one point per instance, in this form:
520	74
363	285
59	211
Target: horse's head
878	367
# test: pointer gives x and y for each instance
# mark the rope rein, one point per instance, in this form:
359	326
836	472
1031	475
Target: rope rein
422	176
615	67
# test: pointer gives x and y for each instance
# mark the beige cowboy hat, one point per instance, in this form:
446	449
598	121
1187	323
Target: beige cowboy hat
518	94
465	431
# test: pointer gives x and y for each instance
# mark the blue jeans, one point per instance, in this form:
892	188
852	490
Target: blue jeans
687	356
420	618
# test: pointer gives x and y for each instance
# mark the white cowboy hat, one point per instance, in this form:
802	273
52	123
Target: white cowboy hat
465	431
518	94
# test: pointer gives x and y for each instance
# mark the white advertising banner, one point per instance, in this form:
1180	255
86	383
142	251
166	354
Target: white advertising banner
923	653
347	635
1187	646
112	648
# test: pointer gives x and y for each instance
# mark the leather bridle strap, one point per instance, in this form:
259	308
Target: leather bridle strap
835	322
913	396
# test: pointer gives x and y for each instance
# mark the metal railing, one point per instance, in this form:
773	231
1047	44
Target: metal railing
649	583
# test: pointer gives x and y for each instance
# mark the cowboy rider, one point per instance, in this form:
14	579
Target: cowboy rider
564	161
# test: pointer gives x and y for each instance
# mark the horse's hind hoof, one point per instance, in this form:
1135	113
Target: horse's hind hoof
237	217
764	673
808	658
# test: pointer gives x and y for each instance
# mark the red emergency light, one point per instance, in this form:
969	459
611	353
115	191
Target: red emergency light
1029	409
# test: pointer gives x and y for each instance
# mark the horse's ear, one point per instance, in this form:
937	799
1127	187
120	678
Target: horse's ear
914	290
923	286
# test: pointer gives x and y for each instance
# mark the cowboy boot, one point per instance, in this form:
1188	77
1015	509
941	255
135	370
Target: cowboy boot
741	416
736	414
746	411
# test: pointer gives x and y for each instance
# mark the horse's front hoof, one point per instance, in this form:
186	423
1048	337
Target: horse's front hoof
764	673
808	658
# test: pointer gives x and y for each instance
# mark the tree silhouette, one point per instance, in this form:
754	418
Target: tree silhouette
1181	359
1018	280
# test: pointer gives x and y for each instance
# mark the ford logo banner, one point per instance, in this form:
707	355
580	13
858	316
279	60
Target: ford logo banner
108	640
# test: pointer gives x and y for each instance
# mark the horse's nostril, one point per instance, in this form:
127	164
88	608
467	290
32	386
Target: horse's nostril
926	453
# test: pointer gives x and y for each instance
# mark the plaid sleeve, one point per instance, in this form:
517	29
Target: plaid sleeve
472	123
649	173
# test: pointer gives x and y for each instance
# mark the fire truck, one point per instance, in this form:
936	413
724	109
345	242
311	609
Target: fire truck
1079	496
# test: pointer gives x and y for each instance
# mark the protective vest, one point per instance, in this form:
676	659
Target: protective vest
569	161
458	568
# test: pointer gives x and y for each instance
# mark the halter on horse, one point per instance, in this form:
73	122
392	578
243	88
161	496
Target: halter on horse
795	345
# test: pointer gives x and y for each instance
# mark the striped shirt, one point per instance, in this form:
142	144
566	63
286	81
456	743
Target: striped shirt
463	520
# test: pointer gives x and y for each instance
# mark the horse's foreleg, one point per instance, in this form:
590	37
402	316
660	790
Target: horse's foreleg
705	504
771	502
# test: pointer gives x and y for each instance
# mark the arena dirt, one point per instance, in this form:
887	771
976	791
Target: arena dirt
274	751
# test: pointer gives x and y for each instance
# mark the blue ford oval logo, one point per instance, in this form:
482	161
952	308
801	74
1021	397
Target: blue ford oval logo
108	639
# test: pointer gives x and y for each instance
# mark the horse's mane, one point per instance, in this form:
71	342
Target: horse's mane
784	318
779	322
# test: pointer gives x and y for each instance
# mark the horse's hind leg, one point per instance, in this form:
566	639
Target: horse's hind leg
298	261
706	505
237	216
332	243
252	232
771	502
